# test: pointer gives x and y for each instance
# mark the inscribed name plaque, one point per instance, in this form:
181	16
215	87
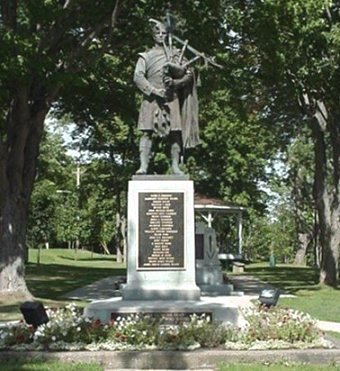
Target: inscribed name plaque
161	231
167	317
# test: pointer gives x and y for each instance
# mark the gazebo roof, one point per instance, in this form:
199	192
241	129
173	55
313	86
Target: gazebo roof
204	203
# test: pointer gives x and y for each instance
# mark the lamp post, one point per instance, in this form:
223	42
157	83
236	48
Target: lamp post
67	192
76	248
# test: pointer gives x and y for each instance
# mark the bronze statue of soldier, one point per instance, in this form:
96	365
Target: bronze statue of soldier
170	106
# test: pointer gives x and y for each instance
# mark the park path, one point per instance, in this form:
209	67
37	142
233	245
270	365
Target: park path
109	287
250	286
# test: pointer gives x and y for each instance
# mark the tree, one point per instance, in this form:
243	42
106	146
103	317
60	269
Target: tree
48	49
41	221
229	127
296	48
300	159
54	183
45	45
114	137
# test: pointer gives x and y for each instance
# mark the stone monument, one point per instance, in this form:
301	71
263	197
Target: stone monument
161	276
209	276
161	239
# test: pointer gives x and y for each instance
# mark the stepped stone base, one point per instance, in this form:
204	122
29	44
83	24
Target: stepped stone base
222	289
217	307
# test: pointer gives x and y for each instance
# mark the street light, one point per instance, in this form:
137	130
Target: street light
76	194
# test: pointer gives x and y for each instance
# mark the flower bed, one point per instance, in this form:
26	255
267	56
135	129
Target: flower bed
275	328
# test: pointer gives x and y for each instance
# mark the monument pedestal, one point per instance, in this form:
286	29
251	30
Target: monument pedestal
161	274
218	308
161	239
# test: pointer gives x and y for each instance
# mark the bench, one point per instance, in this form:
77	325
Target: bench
238	267
228	260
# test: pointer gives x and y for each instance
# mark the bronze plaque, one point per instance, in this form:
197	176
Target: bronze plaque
165	318
199	246
161	231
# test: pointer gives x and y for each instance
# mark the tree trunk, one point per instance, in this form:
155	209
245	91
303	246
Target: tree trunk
304	240
316	245
18	155
105	248
121	241
301	204
326	136
327	203
118	240
124	237
12	252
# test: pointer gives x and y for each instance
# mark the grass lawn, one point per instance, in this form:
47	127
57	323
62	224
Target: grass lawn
59	273
321	302
275	367
36	365
63	274
289	278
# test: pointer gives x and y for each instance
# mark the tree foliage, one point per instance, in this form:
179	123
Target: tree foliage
280	74
295	47
46	45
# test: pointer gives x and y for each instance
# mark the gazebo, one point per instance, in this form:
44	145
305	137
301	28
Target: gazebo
208	208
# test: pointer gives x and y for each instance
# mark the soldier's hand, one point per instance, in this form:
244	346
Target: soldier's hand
159	92
175	70
168	81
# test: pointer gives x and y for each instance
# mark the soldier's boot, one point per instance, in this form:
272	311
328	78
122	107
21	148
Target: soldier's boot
175	156
145	145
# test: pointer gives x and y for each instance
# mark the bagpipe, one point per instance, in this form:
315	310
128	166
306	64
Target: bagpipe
177	64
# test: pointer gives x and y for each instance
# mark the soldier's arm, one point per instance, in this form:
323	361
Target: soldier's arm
177	76
185	80
142	82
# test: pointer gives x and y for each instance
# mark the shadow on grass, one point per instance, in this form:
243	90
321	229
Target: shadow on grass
51	281
289	279
9	312
94	259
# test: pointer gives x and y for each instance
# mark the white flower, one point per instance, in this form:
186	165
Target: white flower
78	328
54	338
37	334
3	335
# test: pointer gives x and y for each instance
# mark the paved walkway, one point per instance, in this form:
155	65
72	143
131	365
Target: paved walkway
249	286
108	287
103	289
329	326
